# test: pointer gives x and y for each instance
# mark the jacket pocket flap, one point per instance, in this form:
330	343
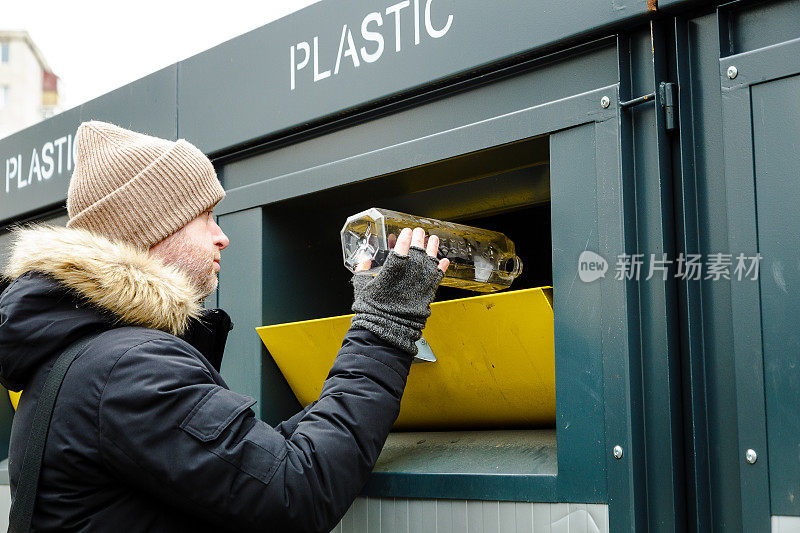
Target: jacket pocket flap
214	413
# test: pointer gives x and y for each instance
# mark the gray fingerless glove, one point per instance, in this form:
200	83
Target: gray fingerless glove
395	304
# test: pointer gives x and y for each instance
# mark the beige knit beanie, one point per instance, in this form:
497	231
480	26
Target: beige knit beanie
135	188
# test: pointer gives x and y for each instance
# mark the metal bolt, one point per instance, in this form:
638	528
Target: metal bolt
617	452
605	102
732	72
751	456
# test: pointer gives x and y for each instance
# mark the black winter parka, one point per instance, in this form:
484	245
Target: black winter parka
146	436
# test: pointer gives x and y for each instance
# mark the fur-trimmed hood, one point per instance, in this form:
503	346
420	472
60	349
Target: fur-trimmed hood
67	283
124	281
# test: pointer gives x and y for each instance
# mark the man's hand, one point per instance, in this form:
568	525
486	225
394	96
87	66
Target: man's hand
395	304
407	239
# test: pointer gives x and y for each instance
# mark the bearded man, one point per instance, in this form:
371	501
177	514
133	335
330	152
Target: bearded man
145	434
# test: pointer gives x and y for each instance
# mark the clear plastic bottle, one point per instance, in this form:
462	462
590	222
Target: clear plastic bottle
480	260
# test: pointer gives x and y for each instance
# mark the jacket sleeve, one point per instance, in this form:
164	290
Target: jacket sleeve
166	428
287	427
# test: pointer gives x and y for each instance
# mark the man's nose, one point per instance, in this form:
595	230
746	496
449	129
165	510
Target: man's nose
220	239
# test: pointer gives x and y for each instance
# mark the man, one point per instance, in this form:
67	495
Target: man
145	435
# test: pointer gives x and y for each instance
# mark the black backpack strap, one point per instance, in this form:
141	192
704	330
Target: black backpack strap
25	495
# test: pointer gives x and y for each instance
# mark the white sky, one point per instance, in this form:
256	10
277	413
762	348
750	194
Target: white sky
96	46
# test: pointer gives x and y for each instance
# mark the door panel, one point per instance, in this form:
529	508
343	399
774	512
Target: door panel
776	156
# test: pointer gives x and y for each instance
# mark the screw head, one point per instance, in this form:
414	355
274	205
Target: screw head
618	452
732	72
751	456
605	102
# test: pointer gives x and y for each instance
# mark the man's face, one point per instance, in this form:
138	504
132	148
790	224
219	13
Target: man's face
195	249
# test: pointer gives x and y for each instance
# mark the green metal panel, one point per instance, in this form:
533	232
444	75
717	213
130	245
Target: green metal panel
675	5
626	476
713	368
345	164
752	68
687	220
459	108
748	361
655	446
253	71
776	130
577	310
660	363
748	26
621	373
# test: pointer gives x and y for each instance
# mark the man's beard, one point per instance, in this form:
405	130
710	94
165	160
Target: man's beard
181	252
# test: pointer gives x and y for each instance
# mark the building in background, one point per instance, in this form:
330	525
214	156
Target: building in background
28	88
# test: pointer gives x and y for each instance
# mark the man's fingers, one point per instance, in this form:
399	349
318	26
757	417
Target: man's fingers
433	245
418	238
403	242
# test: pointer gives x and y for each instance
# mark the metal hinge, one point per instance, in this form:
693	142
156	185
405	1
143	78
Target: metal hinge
668	94
667	98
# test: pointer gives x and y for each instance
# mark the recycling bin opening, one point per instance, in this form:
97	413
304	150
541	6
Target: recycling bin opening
495	366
